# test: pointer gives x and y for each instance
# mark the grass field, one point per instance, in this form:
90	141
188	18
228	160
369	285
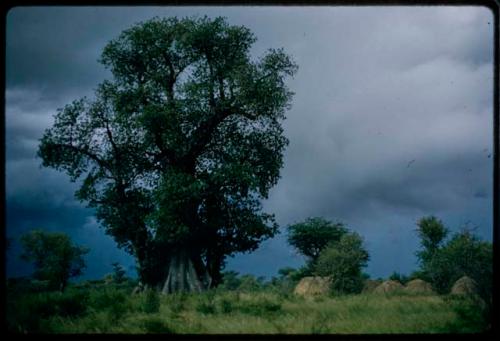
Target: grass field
115	310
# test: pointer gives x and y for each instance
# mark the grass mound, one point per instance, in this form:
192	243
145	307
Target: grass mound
418	286
388	287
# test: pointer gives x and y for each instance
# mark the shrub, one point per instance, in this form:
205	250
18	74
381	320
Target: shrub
251	283
225	306
205	307
343	261
151	303
472	314
230	280
444	262
111	300
155	325
26	313
259	306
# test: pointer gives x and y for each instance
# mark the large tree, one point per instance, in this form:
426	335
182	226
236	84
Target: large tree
177	150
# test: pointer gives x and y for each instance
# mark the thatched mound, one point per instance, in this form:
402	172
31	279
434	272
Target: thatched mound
388	287
464	286
309	286
418	286
370	285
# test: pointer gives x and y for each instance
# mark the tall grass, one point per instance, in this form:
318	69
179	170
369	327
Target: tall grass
114	310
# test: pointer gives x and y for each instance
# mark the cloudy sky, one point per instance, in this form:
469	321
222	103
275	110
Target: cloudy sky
391	121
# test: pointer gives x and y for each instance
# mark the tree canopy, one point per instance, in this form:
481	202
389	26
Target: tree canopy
343	260
311	236
176	151
55	258
444	261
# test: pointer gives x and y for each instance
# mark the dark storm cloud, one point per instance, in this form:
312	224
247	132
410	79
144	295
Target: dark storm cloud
391	119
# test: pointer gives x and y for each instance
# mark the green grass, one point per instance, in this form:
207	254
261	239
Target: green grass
111	310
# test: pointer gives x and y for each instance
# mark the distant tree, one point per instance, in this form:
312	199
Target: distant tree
313	235
119	273
295	275
177	150
55	258
401	278
285	272
250	282
432	233
230	280
343	261
464	254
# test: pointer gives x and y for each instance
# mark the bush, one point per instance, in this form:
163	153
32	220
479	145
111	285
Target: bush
155	325
225	306
444	262
472	314
205	307
230	280
251	283
26	313
110	300
343	262
176	302
260	306
151	303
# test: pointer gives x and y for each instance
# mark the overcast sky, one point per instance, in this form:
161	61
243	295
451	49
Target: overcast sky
392	120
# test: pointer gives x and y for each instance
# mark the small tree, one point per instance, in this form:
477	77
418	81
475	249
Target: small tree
313	235
343	261
55	257
442	263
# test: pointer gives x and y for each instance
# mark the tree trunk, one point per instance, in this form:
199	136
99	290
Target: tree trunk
182	274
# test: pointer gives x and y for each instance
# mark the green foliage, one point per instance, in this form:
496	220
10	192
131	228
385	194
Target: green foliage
155	325
230	280
111	300
473	316
233	312
401	278
343	261
431	232
55	258
250	283
259	308
206	303
464	254
226	306
205	307
151	301
27	312
313	235
182	144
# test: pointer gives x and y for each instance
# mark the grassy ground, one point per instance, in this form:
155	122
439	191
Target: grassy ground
115	310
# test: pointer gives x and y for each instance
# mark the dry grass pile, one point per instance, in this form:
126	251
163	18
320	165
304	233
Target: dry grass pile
418	286
464	286
310	286
370	285
388	287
